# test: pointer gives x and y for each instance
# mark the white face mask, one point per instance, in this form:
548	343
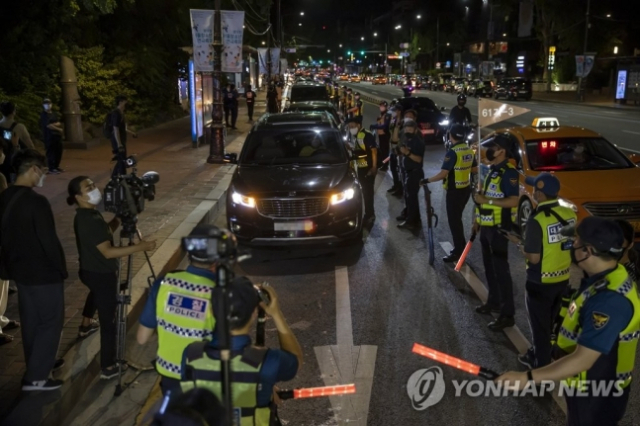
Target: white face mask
353	130
579	149
95	197
40	183
408	119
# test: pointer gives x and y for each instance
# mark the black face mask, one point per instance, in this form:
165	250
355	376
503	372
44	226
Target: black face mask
461	104
491	154
573	255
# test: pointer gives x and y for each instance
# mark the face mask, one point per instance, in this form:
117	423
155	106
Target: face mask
47	106
357	97
579	149
382	109
353	130
491	154
573	255
461	103
94	197
40	183
407	119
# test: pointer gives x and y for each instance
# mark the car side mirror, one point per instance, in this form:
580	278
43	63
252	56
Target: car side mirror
231	158
635	158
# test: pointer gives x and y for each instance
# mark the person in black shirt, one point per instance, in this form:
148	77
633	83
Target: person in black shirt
460	113
119	135
32	256
384	134
99	266
250	95
272	99
413	152
52	135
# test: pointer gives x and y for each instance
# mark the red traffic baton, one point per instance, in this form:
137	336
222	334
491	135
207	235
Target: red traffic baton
318	392
460	364
465	252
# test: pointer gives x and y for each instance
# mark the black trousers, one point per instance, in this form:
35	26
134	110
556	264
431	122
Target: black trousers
119	168
411	189
367	183
227	111
41	318
495	256
543	304
170	384
54	152
456	201
250	106
103	298
597	411
395	169
383	148
234	115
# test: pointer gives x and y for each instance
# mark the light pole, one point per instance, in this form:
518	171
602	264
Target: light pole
584	50
216	143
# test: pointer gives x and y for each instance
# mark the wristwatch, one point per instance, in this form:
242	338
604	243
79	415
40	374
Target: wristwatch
491	202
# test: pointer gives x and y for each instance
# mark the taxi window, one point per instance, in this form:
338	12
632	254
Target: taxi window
571	154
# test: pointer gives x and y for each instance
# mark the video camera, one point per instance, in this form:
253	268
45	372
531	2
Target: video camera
216	245
124	195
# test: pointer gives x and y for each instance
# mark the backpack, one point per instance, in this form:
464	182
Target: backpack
107	127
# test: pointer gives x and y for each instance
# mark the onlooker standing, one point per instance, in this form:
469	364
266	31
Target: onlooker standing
272	99
99	267
13	135
251	100
118	122
52	135
36	262
412	150
233	105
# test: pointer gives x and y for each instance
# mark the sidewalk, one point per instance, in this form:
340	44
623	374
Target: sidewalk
596	100
188	193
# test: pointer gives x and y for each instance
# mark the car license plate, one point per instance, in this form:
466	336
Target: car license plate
301	225
636	226
523	91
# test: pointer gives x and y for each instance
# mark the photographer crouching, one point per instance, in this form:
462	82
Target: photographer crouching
99	267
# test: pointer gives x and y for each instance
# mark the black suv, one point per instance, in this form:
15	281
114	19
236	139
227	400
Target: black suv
294	183
314	106
431	120
513	88
306	91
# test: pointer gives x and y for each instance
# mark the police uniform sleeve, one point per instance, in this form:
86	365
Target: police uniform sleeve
370	141
280	366
148	317
510	184
603	318
417	145
449	161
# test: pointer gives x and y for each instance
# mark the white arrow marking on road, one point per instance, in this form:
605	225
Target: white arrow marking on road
344	363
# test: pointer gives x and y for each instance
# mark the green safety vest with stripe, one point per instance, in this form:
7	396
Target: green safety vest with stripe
617	281
204	371
556	251
462	168
184	315
490	215
360	150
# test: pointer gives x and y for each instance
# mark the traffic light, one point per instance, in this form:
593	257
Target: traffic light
320	62
349	52
362	52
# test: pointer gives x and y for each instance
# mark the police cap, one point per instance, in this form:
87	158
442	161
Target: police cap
603	234
545	182
458	132
243	299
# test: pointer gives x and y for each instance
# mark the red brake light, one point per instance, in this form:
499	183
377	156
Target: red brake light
552	144
544	145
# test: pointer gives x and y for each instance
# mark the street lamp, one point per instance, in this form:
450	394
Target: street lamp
615	50
504	34
375	34
328	50
419	16
608	15
339	45
263	43
301	13
447	44
300	24
362	38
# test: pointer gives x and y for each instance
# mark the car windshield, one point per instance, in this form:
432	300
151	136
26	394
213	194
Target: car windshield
271	147
315	108
308	93
419	104
571	154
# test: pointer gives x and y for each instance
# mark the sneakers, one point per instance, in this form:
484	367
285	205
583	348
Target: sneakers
111	372
84	331
528	359
42	385
53	172
501	323
487	309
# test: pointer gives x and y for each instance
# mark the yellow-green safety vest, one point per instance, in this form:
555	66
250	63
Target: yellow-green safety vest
185	315
617	281
204	371
490	215
462	168
361	150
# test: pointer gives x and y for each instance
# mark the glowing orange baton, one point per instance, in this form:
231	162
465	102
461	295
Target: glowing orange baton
443	358
318	392
465	252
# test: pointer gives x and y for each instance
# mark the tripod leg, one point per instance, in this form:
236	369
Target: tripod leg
124	299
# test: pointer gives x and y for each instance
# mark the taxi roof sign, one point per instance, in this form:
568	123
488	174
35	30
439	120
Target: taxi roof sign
545	122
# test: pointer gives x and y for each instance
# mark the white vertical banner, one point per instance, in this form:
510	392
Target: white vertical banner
232	23
262	60
275	60
202	32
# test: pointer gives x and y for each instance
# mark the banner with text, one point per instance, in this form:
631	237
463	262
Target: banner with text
492	112
262	60
584	64
232	22
202	32
275	60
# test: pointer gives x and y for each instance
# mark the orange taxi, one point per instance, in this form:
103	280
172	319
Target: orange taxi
343	77
596	178
379	79
354	79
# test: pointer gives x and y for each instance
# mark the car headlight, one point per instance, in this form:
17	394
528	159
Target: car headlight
243	200
342	196
444	123
568	204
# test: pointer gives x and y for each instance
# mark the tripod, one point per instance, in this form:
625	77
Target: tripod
128	232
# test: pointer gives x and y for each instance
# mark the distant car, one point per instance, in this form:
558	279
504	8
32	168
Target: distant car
294	184
481	88
432	122
514	88
379	79
354	79
343	77
314	106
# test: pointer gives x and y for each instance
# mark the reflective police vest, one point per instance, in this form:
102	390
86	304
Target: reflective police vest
462	168
556	251
360	150
184	315
203	371
358	104
350	100
490	215
617	281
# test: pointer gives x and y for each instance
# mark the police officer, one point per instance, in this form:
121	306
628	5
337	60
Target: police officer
598	340
364	147
497	209
382	129
395	126
412	151
548	258
460	113
179	308
456	173
344	100
357	105
254	370
336	94
350	102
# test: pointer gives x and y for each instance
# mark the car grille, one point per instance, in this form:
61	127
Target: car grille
621	210
293	208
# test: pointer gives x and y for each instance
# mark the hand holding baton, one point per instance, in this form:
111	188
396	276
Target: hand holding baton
443	358
317	392
465	252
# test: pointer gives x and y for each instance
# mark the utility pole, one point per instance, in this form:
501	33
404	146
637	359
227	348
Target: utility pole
581	89
437	39
216	142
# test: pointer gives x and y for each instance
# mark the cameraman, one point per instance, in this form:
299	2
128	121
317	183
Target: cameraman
179	308
99	267
256	370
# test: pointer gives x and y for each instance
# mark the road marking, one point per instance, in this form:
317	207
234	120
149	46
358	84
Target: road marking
337	361
513	333
375	93
629	131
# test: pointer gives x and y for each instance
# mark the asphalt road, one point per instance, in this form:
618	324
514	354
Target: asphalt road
620	126
396	299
